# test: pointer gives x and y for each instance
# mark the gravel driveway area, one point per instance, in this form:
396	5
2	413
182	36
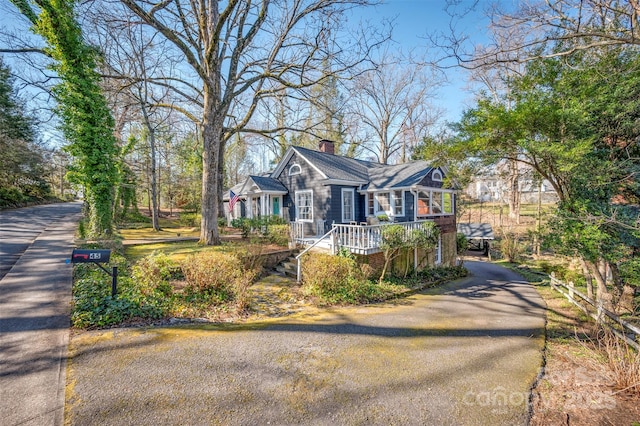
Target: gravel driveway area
465	353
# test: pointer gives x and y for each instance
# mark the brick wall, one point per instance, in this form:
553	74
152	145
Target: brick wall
446	223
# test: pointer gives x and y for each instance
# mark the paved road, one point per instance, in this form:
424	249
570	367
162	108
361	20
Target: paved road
35	291
465	354
20	227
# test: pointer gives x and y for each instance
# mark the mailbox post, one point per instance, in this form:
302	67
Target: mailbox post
97	257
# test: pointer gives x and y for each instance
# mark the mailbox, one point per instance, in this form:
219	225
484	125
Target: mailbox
97	257
90	256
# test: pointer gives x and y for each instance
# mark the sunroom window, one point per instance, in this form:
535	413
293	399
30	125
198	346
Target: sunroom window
447	203
424	203
436	202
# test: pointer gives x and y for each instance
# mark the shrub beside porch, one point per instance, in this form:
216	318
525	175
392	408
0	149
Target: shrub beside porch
405	261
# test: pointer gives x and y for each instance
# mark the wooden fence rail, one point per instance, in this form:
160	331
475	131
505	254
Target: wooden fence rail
601	315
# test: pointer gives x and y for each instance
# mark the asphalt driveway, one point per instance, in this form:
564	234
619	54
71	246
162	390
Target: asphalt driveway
466	353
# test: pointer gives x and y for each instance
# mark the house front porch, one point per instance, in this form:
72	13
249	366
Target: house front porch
360	239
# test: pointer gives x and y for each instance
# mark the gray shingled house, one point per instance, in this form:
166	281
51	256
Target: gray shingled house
318	191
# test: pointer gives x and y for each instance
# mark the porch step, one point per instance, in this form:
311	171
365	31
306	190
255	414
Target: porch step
288	267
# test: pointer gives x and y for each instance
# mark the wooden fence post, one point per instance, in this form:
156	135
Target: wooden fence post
571	288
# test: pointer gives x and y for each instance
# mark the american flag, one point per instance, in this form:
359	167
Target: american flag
233	199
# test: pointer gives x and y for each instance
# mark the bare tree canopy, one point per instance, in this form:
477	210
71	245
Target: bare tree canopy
393	107
544	29
243	52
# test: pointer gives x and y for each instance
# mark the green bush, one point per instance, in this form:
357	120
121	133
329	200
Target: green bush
278	234
93	305
511	248
11	197
242	223
339	280
263	225
462	244
153	273
222	222
190	219
217	277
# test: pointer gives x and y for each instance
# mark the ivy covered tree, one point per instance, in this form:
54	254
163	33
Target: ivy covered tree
87	122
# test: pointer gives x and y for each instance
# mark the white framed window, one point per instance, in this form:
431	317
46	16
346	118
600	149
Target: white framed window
383	202
348	201
398	203
371	210
304	205
295	169
436	176
392	203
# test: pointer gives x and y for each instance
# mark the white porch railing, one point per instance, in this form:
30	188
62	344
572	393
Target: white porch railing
366	239
297	231
359	239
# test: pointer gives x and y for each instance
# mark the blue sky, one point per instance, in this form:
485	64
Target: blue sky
414	19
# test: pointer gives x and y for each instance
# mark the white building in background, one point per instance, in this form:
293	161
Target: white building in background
493	186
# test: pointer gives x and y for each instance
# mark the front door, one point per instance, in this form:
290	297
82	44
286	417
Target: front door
276	206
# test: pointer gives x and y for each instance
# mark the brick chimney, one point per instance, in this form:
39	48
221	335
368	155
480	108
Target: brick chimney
326	146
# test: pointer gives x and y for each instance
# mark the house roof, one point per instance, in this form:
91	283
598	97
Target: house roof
350	171
370	174
236	190
397	176
473	231
337	167
268	184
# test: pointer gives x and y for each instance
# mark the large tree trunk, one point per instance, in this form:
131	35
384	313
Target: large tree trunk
602	293
212	174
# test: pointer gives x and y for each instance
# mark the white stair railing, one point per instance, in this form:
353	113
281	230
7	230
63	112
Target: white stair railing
299	257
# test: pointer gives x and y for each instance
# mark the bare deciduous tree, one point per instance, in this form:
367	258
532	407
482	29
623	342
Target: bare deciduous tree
241	52
393	106
544	29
